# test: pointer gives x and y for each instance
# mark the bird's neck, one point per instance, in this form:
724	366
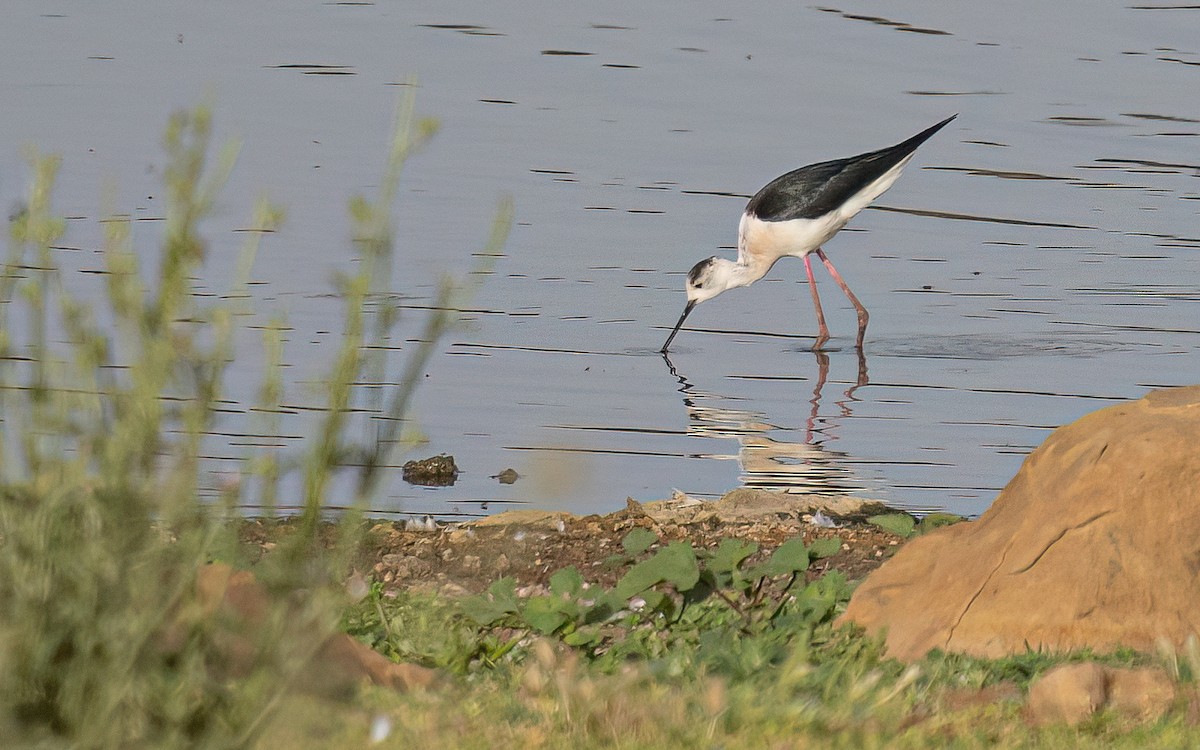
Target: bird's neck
745	274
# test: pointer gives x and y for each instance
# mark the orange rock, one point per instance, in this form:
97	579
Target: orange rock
238	607
1095	543
1142	694
1068	694
342	663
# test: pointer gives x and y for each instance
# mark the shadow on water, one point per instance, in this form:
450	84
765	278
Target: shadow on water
805	467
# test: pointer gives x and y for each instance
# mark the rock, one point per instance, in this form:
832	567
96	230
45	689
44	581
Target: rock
239	608
412	566
745	505
1095	543
435	471
342	663
1071	693
501	565
357	587
539	519
1142	694
453	591
1067	694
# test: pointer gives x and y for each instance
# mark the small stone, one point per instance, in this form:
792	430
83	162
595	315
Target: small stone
413	567
820	520
357	586
453	590
420	524
525	518
471	562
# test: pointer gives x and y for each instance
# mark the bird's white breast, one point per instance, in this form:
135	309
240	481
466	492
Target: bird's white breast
764	242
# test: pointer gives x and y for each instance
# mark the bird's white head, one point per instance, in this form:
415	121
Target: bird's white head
710	277
706	280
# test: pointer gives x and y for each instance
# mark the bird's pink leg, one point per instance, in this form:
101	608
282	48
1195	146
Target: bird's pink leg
862	311
823	333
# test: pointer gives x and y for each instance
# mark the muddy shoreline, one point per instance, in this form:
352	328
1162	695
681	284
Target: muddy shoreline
529	546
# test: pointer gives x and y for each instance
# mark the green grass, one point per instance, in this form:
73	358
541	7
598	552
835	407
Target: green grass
694	649
678	680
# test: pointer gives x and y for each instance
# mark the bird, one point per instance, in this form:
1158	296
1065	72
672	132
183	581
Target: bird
795	214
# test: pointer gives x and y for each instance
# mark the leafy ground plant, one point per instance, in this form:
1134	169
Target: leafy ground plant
698	674
725	646
677	602
905	525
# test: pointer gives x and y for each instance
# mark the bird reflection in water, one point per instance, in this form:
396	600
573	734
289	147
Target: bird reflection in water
807	467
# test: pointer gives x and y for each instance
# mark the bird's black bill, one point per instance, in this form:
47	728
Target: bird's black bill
686	310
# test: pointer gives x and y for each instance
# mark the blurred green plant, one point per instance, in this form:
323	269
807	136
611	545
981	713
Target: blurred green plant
102	527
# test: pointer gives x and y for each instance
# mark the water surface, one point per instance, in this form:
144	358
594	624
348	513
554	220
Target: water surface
1038	259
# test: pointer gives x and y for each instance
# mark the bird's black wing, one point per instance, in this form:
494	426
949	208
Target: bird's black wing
815	190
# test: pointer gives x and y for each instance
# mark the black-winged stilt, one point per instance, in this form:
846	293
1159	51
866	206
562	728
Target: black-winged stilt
794	215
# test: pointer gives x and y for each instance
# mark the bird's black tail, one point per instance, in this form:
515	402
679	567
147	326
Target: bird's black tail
907	147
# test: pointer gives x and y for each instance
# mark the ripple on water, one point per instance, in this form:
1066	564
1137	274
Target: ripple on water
984	347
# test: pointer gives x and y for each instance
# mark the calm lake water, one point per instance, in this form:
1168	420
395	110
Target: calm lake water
1039	259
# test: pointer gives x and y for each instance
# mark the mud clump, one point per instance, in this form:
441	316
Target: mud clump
436	471
508	476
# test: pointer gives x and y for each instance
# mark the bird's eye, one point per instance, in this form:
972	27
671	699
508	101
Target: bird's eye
699	285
